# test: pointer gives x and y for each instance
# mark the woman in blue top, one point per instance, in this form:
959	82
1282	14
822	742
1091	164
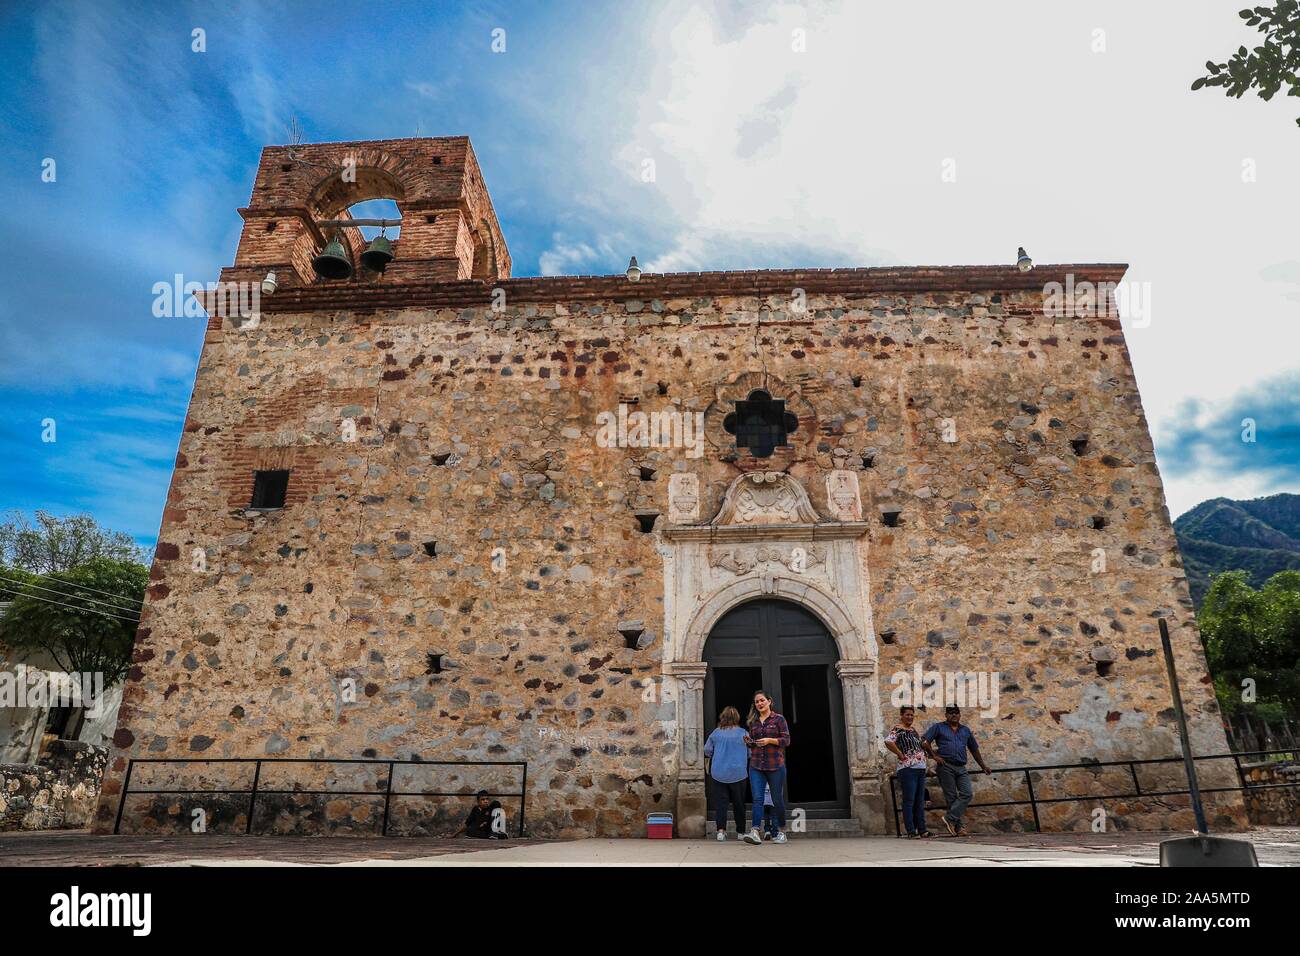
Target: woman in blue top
728	769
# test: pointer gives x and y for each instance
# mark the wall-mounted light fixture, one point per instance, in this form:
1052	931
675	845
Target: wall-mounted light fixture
633	271
1023	262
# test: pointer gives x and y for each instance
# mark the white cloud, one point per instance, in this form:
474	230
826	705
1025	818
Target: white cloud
1078	156
566	256
1185	493
425	89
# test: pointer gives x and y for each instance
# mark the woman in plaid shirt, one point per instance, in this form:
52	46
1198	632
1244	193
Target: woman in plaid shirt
769	735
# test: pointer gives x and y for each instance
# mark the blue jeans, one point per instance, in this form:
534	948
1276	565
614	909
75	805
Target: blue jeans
775	779
912	780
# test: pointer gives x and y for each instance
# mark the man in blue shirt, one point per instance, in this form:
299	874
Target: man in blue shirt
947	743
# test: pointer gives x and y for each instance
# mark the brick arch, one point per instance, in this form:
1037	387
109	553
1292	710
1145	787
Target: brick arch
379	175
485	264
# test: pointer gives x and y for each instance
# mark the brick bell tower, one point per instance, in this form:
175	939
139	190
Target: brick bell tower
448	232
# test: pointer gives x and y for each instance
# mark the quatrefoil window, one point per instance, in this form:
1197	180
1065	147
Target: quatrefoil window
761	424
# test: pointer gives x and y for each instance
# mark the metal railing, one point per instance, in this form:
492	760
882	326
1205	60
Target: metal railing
388	793
1034	801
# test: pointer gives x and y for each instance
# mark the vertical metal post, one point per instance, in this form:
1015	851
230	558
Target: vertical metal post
1192	787
1033	803
1137	787
893	798
388	799
126	785
523	798
252	797
1241	774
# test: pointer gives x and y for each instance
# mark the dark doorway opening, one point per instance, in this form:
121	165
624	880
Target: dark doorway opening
734	687
811	765
786	650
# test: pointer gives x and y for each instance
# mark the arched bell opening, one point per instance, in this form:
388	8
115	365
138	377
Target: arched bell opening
374	247
354	192
350	186
484	265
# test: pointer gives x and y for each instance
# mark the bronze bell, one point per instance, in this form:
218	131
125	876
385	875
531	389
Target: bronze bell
378	254
333	262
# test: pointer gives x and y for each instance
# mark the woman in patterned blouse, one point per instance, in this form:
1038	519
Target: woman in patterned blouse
905	744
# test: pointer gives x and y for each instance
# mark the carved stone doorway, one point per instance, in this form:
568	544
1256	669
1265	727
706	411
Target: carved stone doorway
783	649
767	542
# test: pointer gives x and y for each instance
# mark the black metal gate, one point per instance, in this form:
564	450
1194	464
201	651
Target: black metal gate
254	790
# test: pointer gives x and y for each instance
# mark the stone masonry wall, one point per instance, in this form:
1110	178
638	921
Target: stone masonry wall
476	431
59	793
1277	801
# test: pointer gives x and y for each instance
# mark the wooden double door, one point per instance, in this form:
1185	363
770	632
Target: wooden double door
783	649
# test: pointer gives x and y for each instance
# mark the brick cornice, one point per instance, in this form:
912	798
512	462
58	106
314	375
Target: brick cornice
374	296
249	214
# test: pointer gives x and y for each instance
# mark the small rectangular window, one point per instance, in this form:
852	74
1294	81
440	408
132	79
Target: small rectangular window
269	488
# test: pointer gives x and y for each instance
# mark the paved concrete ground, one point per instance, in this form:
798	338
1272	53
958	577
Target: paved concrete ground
1276	847
81	848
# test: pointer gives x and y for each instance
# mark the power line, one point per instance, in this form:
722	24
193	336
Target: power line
66	594
51	577
83	610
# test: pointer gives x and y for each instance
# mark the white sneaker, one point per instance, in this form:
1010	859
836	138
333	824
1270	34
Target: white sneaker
754	838
722	836
780	837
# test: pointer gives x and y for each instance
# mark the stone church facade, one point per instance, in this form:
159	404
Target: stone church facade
888	470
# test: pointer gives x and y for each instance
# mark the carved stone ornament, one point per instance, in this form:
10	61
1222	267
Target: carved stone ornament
766	497
683	498
742	559
842	495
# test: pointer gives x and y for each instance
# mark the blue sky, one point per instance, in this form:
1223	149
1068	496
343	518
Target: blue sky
763	156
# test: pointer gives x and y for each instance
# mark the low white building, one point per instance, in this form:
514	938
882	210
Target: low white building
25	730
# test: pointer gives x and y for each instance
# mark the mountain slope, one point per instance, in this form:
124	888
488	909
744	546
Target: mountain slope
1260	537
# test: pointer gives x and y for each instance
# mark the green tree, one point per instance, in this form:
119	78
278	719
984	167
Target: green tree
1269	66
84	619
1252	635
55	544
